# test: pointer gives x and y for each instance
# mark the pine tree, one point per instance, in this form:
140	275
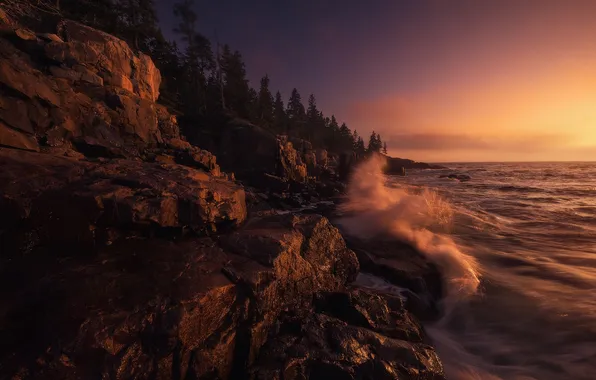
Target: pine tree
374	143
279	114
265	103
385	148
140	22
360	149
236	89
295	113
198	58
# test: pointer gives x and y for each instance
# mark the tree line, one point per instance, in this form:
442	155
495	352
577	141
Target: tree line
202	82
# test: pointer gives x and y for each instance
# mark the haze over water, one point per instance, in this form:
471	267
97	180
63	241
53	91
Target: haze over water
531	227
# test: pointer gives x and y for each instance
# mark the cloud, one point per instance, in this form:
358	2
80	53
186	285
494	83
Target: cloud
446	142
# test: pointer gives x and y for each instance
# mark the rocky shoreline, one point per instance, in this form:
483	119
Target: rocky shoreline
127	252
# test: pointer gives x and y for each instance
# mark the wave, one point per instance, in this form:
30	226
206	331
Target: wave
420	219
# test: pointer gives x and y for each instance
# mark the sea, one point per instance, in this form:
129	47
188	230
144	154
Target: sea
517	247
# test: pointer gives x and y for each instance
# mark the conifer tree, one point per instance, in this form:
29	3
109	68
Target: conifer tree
198	58
236	89
385	148
265	103
295	112
279	114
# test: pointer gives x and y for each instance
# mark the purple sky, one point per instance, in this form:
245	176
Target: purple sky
441	80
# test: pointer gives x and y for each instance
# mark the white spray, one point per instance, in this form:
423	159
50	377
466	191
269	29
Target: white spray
376	209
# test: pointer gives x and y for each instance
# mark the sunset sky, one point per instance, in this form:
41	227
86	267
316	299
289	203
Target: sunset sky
442	81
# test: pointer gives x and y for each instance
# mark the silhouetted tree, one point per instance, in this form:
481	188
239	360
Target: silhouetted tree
384	147
374	143
279	114
236	88
265	103
197	59
295	112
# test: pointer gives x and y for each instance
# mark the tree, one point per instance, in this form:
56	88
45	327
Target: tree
374	143
360	149
279	114
265	103
198	58
141	22
235	85
295	112
384	147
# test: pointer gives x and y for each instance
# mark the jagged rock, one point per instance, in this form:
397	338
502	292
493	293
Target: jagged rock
355	335
158	309
88	88
401	265
73	202
289	163
109	56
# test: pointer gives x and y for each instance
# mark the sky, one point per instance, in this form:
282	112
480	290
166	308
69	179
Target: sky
441	81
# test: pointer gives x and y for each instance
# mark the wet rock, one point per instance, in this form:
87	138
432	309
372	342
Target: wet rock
348	341
401	265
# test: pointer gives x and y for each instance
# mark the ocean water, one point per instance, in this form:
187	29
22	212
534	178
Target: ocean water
517	246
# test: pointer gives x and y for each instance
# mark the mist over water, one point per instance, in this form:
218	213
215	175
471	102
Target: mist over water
517	247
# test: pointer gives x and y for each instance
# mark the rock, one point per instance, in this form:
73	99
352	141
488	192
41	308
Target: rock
322	157
198	158
15	139
51	37
27	81
152	308
401	265
25	34
167	123
459	177
71	202
355	335
178	143
289	163
110	56
15	113
67	101
314	241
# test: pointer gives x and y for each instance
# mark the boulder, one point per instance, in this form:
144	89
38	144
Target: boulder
73	203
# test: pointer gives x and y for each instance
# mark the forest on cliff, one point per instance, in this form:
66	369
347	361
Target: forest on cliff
204	82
